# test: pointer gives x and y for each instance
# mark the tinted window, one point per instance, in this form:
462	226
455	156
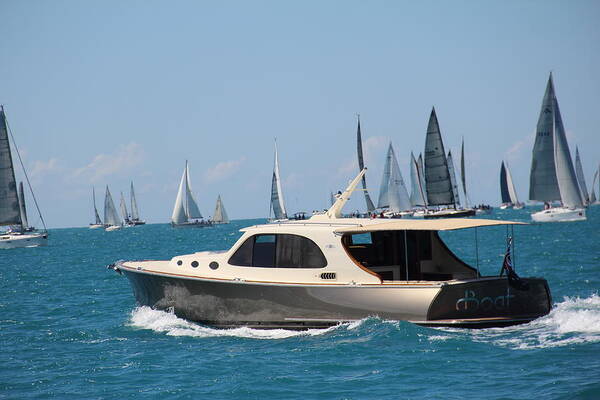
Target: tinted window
282	251
298	252
263	254
243	255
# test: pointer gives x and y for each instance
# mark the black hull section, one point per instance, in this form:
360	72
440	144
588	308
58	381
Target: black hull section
191	225
227	304
452	214
490	303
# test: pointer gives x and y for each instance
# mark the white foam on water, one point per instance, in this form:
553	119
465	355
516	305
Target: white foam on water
572	321
169	324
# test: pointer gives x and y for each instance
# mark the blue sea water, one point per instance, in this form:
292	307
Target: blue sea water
70	329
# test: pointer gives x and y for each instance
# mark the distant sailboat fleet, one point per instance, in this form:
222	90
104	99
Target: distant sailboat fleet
436	189
112	220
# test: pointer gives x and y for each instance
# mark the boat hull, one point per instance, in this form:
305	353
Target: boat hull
227	304
450	213
191	225
559	214
11	241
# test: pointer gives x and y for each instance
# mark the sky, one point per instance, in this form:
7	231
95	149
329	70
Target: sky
103	93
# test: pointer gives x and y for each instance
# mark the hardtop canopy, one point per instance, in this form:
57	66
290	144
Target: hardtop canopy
424	225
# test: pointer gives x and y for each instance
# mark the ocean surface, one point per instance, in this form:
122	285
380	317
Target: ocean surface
70	328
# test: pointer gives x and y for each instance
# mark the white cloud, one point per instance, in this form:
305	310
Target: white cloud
516	150
223	170
373	147
122	160
40	168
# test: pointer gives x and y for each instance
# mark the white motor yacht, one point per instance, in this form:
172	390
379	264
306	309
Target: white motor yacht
328	269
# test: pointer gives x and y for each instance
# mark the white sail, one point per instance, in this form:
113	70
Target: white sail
437	177
123	207
543	185
416	190
277	202
421	171
185	205
384	198
220	215
393	193
581	178
178	216
9	199
452	174
111	217
22	209
593	191
512	193
191	207
397	193
565	172
135	214
96	215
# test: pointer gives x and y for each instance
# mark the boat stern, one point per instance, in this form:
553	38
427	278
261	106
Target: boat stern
489	302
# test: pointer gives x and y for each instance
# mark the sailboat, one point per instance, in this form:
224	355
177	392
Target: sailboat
553	177
111	217
438	180
12	202
393	196
123	207
481	208
186	213
98	223
277	203
220	215
581	178
361	166
507	189
593	200
453	182
417	192
135	214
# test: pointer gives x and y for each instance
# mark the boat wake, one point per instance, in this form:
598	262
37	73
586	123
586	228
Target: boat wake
169	324
572	321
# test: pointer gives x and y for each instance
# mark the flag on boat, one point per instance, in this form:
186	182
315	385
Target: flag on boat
513	279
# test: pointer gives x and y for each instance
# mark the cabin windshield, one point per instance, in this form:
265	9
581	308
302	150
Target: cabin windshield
423	256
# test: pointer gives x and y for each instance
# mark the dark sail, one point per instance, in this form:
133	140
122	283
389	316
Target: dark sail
10	213
361	166
504	185
437	177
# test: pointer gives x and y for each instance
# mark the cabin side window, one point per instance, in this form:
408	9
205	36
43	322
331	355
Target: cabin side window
279	251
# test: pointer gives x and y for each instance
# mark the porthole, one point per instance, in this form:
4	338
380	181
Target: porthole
213	265
195	264
179	262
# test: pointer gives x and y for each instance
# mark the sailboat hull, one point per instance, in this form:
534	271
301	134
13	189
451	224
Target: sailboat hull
451	213
11	240
477	303
559	214
199	224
